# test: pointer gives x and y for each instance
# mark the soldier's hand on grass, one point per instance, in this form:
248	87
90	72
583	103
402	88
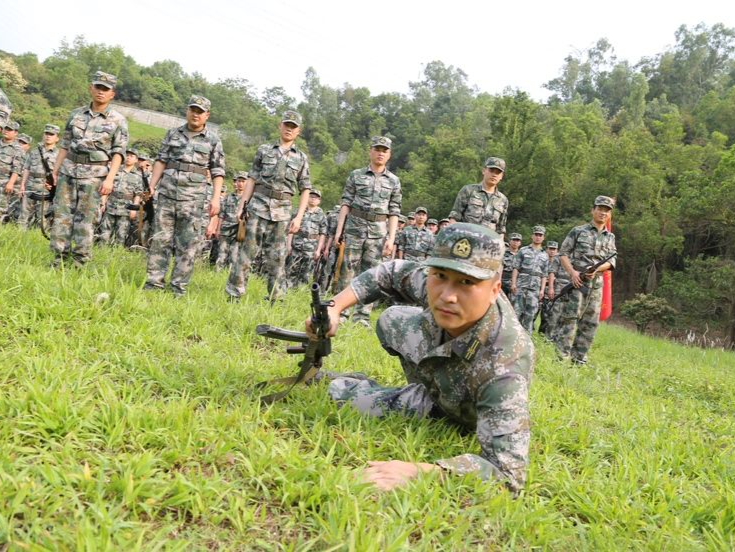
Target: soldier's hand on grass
394	473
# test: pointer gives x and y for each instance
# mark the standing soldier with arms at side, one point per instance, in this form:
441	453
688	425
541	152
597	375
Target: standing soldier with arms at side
12	158
580	311
528	282
544	310
483	203
305	246
510	253
411	219
188	155
229	223
416	242
329	252
92	150
371	204
34	178
279	171
128	189
558	278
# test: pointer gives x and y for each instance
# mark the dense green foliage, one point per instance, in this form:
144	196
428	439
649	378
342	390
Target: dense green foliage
128	424
658	134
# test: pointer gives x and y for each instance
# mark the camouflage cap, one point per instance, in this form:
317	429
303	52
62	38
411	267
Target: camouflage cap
469	249
432	221
199	101
241	175
25	139
132	151
314	191
51	129
552	245
143	156
104	79
538	229
444	220
515	236
402	218
411	215
291	116
12	125
495	163
381	141
424	209
605	201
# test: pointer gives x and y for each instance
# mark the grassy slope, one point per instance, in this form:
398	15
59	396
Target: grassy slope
142	131
127	424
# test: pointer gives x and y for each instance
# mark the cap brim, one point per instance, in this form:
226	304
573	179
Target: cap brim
501	169
105	84
199	106
291	121
461	267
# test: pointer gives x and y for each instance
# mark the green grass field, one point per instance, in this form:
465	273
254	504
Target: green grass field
128	424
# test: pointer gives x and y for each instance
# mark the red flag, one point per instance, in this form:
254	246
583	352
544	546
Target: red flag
607	302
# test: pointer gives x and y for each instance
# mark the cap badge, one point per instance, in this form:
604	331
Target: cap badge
462	249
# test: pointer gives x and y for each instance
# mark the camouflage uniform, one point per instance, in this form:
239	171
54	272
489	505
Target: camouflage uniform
332	220
181	199
372	198
532	266
416	243
580	309
30	212
5	108
561	278
508	267
227	241
115	224
473	204
479	379
303	245
91	140
12	158
205	243
278	176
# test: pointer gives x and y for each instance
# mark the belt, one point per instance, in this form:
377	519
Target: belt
187	167
83	159
531	273
367	215
416	253
266	191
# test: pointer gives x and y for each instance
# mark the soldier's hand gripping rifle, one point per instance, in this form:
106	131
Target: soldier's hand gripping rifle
314	349
47	197
586	271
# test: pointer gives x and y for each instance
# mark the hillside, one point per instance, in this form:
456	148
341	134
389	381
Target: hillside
128	423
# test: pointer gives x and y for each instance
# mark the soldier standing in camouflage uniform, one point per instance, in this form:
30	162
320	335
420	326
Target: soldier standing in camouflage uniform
510	253
443	223
432	225
464	354
580	309
34	178
558	278
229	222
329	252
411	219
128	190
305	246
416	242
371	197
552	249
483	203
279	171
12	158
91	152
189	155
528	282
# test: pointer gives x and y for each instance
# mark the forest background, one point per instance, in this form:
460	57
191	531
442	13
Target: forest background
658	134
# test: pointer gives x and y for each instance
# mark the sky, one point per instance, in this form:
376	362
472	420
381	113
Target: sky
380	45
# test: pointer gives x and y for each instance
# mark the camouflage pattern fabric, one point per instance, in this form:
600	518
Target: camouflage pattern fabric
479	380
473	204
533	267
204	247
300	263
77	200
12	158
332	219
30	211
580	310
6	108
115	224
507	271
416	243
227	240
561	278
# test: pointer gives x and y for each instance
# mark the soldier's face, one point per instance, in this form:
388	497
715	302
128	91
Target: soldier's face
144	166
601	214
458	301
515	244
289	131
551	252
49	138
130	159
196	118
379	155
25	147
538	239
314	200
433	228
420	218
240	185
492	176
9	134
101	94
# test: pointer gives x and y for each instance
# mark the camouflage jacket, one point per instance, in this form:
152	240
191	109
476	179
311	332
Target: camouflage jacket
127	186
561	278
203	149
416	243
277	172
228	215
36	171
533	266
12	158
313	225
332	220
376	194
479	379
475	205
101	135
508	257
584	245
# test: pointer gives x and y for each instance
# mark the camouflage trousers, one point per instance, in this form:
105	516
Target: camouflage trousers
11	212
361	254
227	247
30	212
368	397
268	238
526	303
299	266
328	269
177	227
579	316
76	206
114	229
